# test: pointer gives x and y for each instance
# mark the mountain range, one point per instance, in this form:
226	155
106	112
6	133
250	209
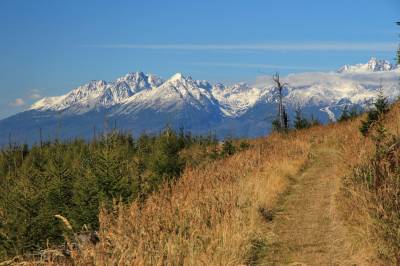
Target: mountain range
139	102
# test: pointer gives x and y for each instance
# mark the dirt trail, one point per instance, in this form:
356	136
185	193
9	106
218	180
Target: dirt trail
306	229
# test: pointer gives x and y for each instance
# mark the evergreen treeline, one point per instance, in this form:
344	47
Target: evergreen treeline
302	122
76	178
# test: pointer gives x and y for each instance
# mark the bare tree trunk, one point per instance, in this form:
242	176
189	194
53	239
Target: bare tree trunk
280	86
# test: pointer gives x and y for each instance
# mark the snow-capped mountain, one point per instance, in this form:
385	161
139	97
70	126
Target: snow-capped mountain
373	65
140	102
172	95
99	94
235	100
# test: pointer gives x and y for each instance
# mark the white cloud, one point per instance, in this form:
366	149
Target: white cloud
18	102
35	94
291	46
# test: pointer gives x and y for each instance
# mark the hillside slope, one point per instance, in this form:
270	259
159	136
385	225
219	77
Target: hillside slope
278	203
283	201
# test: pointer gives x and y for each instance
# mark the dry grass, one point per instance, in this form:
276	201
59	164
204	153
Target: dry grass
373	193
209	217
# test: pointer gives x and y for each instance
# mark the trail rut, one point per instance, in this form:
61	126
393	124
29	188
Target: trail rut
306	229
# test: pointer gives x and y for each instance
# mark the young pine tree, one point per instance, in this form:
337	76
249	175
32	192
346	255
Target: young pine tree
166	163
381	107
109	165
228	148
398	49
299	121
86	201
285	120
345	114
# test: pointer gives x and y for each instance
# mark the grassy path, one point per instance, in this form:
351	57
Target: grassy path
306	229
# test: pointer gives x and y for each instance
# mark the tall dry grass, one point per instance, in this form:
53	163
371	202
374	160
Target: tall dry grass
372	190
210	216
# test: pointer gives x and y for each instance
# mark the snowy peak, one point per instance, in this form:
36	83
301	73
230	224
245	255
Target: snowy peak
179	94
373	65
181	88
236	99
83	96
177	77
138	80
100	94
186	84
379	65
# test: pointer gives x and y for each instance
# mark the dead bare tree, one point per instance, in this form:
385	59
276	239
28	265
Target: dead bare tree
281	109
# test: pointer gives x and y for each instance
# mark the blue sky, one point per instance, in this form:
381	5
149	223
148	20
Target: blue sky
48	47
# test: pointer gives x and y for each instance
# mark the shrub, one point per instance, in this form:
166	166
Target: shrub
228	148
381	107
348	114
300	122
244	145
